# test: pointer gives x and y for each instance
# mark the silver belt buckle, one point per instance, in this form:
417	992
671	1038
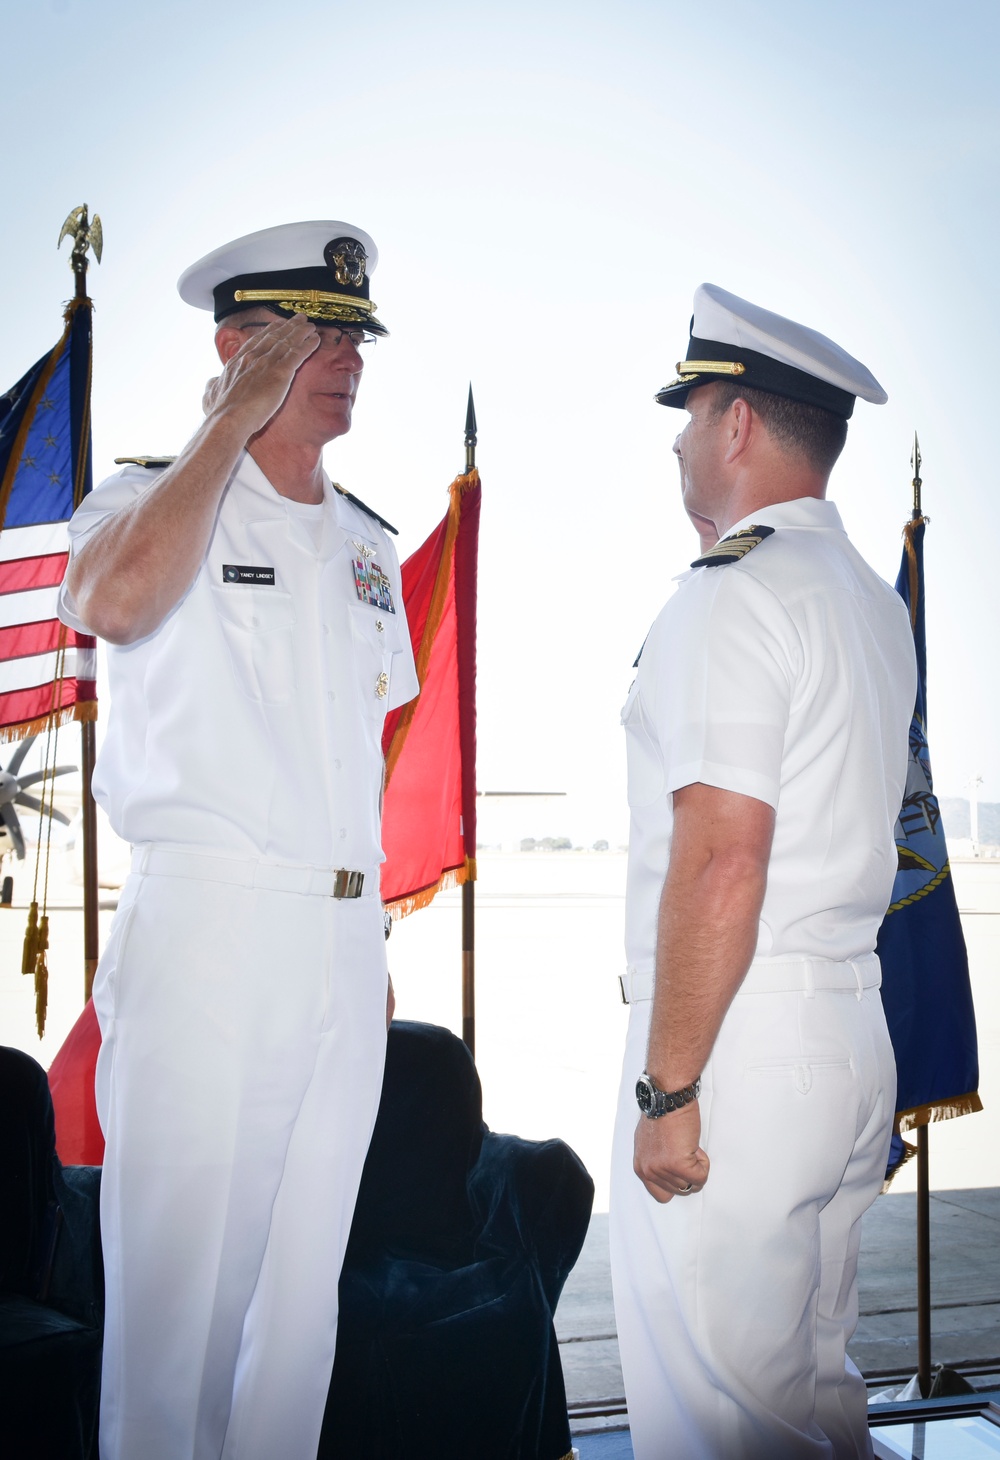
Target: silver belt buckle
347	884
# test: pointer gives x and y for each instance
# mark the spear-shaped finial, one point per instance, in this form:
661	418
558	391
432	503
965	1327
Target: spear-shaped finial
917	483
86	234
470	433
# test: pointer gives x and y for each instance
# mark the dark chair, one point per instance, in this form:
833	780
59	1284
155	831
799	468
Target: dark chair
460	1246
51	1279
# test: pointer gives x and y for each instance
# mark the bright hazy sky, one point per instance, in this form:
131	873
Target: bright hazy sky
547	185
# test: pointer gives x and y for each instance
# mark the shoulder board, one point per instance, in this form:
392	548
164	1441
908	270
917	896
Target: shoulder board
369	510
732	549
149	461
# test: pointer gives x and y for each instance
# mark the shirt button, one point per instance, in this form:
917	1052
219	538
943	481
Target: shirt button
326	628
255	622
330	695
336	765
380	626
382	685
343	833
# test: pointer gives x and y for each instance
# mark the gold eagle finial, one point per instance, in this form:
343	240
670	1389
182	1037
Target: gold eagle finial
86	234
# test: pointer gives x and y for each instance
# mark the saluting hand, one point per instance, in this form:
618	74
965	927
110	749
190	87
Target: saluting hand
668	1159
257	377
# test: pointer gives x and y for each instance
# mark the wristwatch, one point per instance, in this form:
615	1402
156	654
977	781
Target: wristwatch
654	1102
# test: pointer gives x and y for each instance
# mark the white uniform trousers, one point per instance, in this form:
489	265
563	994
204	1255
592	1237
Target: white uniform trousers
237	1087
734	1305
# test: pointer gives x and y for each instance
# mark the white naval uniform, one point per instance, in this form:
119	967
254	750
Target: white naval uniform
788	676
242	1007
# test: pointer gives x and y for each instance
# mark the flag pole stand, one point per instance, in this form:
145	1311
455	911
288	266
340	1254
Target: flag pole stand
85	236
923	1263
469	886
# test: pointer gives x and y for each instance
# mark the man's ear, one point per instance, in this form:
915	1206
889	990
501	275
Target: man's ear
228	341
739	428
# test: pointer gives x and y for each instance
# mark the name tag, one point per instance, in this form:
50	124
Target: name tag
372	584
232	573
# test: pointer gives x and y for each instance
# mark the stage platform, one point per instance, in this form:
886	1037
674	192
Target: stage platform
931	1429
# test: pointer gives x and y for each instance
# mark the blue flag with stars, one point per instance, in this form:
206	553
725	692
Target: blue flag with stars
925	968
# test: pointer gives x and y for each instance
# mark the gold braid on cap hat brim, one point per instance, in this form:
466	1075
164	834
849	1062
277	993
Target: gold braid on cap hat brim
688	369
316	303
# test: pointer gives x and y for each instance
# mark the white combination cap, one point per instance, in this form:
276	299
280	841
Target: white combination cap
732	339
321	269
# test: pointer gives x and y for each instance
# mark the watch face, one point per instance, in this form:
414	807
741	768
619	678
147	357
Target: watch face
644	1094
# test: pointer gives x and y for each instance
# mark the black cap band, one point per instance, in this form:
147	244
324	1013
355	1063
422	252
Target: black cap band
760	372
344	302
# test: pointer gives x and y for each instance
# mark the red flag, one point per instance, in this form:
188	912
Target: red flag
429	812
79	1141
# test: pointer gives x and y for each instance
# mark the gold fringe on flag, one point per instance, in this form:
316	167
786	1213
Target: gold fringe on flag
401	907
911	563
907	1120
85	711
939	1110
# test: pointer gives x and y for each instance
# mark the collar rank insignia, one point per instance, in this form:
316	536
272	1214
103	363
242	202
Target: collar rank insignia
732	549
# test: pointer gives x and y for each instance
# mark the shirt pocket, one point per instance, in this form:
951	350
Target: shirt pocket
374	637
257	625
645	763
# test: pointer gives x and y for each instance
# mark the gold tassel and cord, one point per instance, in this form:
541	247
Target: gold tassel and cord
42	976
34	961
30	953
36	936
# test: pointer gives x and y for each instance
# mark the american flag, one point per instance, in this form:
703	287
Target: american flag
47	671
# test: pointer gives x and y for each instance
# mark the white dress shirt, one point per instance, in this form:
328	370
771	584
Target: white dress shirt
250	721
752	681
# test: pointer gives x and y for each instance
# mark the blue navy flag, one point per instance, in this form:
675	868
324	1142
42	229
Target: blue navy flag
47	671
925	967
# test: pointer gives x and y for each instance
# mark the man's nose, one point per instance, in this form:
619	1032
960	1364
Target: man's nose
677	444
349	357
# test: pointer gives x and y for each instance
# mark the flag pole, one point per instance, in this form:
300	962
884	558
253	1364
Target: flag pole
86	235
469	886
923	1149
915	460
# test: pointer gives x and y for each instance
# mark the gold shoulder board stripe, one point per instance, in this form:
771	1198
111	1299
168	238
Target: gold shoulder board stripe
732	549
149	461
365	508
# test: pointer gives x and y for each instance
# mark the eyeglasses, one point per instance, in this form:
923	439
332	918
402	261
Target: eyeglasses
331	336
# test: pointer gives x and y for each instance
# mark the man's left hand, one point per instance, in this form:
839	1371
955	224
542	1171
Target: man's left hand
668	1159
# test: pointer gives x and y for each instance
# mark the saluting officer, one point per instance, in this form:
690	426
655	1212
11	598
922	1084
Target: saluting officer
767	748
256	638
